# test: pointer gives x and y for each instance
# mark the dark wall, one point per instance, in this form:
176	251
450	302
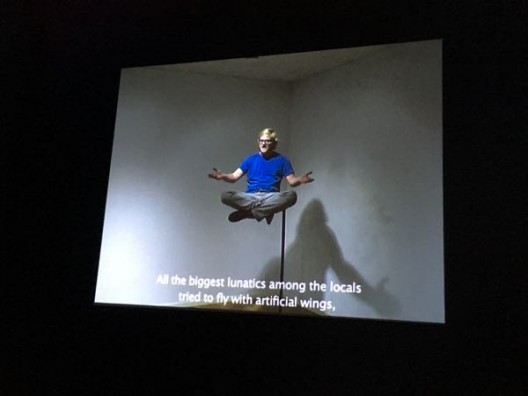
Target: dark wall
61	76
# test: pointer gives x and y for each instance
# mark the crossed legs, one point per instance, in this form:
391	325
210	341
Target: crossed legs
258	205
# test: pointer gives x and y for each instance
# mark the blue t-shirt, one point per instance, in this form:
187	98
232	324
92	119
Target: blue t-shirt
265	174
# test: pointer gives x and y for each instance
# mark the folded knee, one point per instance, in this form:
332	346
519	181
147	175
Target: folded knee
226	196
291	197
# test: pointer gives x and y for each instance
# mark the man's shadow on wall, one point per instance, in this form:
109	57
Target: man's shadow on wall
316	250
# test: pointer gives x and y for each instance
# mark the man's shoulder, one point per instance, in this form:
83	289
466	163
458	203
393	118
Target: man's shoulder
251	157
281	157
247	161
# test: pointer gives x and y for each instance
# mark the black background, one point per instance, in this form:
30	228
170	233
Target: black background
60	81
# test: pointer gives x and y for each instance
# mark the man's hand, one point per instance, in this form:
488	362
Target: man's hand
216	174
297	181
227	177
305	179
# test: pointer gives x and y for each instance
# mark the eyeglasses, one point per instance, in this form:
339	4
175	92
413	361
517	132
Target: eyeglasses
267	141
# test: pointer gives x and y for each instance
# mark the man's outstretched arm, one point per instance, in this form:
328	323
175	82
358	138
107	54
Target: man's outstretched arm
295	181
227	177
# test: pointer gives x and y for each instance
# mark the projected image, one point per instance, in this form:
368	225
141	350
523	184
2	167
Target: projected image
297	184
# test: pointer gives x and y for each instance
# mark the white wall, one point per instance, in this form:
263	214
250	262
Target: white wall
163	213
372	133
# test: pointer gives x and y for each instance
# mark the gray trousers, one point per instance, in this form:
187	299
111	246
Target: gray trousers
260	204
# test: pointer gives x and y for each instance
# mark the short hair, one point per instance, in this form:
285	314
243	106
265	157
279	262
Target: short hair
271	134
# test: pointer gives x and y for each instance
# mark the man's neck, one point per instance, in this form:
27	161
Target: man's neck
267	154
